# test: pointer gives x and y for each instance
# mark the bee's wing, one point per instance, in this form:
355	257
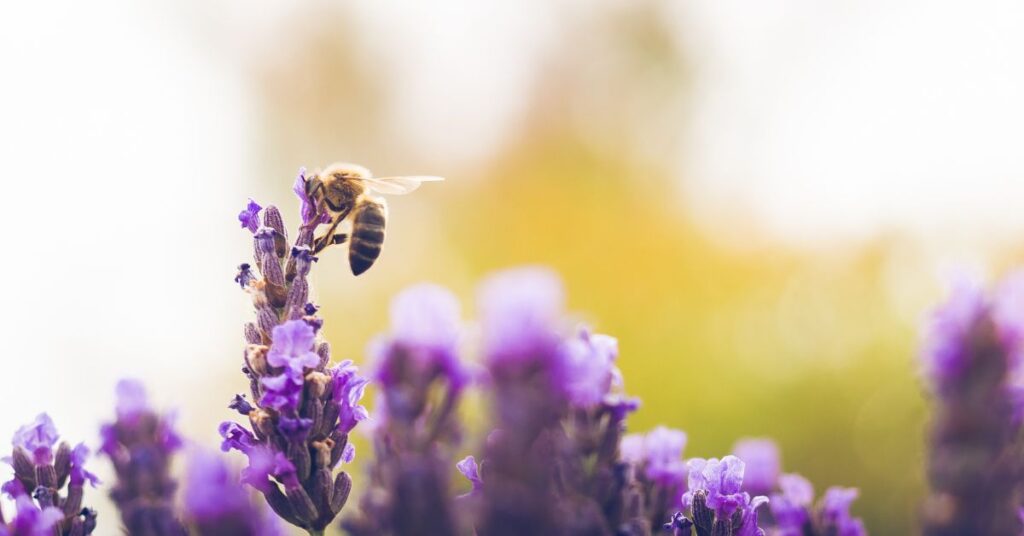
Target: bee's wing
399	185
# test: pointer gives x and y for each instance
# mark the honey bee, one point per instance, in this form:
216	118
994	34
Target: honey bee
343	190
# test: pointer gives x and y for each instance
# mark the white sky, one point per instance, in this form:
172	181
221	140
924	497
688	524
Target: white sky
854	116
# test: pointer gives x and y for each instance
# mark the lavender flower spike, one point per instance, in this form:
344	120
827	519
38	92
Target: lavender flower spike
30	520
301	409
715	500
421	380
971	356
761	456
216	505
521	310
656	458
140	444
834	514
553	465
41	472
791	507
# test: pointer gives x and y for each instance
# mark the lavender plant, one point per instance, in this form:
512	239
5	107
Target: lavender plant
302	409
795	515
716	502
29	519
656	459
54	478
140	444
763	464
972	359
415	430
216	505
552	459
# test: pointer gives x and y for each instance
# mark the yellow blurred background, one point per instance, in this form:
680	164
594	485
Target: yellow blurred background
760	202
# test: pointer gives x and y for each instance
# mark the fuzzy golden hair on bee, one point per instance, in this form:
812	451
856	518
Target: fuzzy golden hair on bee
343	191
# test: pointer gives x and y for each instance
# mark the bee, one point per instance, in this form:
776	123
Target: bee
346	190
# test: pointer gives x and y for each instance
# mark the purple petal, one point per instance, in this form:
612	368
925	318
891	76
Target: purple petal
518	309
250	216
79	475
469	469
37	438
235	437
348	453
131	399
762	460
426	315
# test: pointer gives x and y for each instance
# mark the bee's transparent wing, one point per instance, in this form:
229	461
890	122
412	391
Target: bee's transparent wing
399	185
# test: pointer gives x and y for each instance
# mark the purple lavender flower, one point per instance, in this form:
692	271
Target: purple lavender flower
348	388
661	471
559	413
791	507
140	444
250	216
971	356
30	520
38	439
426	325
421	379
216	505
302	409
945	355
520	312
761	457
307	209
293	347
834	515
132	401
44	472
716	501
469	469
663	452
591	370
722	480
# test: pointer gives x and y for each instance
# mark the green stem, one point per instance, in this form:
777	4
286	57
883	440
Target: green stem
315	532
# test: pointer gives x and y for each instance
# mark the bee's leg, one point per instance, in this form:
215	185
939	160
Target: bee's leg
322	242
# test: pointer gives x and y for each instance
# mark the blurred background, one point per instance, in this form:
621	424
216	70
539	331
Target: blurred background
760	200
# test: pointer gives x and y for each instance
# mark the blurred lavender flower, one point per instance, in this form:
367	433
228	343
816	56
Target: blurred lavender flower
140	444
971	357
834	513
761	456
469	469
791	506
216	505
40	472
792	510
520	312
552	461
301	410
591	474
416	431
250	216
660	470
29	519
716	502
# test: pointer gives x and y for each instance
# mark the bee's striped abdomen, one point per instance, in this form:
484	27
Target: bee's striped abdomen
367	235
